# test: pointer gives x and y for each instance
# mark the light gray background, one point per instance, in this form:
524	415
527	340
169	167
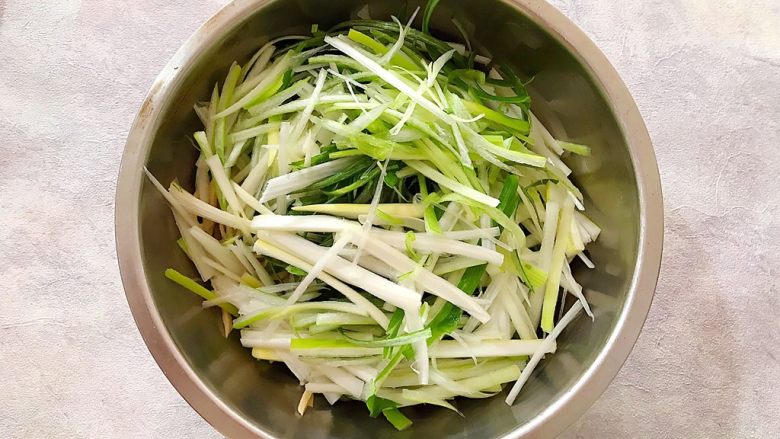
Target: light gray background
705	74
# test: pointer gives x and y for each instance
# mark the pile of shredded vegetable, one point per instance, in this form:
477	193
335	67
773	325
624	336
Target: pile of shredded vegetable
381	212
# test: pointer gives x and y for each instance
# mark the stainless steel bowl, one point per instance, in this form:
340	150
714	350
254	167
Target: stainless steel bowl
576	92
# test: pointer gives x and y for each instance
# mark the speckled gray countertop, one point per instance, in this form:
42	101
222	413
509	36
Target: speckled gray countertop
706	77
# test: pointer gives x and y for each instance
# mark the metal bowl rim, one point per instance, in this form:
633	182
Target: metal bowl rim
554	418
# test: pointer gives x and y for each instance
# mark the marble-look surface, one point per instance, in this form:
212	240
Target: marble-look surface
706	76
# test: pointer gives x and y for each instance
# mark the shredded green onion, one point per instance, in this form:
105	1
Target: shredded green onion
381	211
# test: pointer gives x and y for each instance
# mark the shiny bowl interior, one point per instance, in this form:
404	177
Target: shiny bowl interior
576	93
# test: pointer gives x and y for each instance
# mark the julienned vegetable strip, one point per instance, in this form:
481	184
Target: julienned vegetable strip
384	217
547	343
198	289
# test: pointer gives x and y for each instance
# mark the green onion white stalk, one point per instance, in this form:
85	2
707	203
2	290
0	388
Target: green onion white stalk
385	217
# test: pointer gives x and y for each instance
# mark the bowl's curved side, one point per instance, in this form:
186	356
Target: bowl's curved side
592	384
128	240
551	420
